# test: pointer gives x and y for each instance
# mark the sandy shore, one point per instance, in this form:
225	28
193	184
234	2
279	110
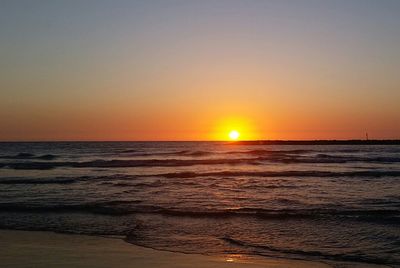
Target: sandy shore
47	249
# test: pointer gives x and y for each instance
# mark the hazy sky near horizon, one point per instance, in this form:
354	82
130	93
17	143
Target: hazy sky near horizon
193	70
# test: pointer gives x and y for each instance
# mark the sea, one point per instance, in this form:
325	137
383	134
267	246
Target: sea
331	203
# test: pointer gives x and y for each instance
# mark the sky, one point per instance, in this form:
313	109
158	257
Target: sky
194	70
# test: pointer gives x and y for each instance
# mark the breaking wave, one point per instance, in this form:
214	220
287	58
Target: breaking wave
311	254
135	207
116	179
117	163
30	156
384	173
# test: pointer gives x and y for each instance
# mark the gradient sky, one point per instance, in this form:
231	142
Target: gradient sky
193	70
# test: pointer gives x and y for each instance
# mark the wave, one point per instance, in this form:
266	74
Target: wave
103	208
129	180
136	207
331	159
29	156
374	173
179	162
270	152
113	180
256	157
127	151
126	163
199	153
155	184
136	153
38	181
353	257
53	180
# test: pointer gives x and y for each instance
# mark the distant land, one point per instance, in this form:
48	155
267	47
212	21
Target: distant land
240	142
317	142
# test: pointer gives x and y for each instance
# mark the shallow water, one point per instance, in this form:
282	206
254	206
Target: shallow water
338	203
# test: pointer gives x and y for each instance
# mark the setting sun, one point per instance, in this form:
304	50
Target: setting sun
234	135
263	133
234	128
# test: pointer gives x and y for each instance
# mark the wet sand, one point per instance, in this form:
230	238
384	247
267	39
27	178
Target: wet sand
47	249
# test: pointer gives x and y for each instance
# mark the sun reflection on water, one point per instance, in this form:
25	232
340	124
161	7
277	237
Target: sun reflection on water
234	258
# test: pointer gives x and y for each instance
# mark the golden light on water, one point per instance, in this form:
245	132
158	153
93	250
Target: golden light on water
234	135
237	258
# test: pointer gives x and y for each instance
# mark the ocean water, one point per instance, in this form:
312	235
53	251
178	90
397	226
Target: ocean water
332	203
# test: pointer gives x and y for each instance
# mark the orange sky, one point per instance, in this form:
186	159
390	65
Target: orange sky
182	70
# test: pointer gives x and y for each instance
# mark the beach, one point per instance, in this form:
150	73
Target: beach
47	249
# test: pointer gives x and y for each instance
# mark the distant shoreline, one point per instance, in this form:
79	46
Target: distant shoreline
240	142
317	142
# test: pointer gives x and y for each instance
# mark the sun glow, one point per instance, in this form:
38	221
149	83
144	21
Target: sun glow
234	135
233	129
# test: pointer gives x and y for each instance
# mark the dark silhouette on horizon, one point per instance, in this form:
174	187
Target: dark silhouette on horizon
317	142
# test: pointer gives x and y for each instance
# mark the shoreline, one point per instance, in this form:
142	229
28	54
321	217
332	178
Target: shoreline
49	249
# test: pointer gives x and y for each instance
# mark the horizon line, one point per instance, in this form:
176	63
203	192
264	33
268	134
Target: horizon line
230	141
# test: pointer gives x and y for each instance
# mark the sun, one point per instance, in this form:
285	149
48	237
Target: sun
234	135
